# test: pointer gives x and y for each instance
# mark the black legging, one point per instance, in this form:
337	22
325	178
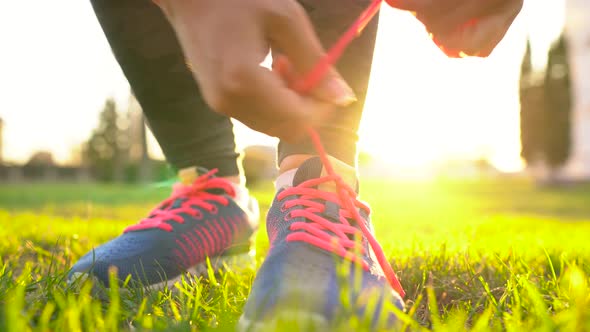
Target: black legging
189	133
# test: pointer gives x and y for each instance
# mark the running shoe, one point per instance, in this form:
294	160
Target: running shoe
322	265
205	217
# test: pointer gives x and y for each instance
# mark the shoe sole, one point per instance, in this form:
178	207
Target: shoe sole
218	264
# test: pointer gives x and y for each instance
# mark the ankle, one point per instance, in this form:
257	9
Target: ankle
290	165
292	162
189	175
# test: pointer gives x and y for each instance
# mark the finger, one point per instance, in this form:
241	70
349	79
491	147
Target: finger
469	11
480	38
430	12
293	33
286	71
268	105
486	36
425	9
498	23
283	67
411	5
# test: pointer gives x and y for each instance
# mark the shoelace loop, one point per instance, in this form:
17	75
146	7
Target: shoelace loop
315	232
195	197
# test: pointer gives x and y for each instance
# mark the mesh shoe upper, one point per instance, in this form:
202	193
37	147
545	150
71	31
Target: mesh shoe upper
198	221
300	276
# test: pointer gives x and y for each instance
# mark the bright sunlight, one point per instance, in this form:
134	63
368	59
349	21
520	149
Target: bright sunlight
425	108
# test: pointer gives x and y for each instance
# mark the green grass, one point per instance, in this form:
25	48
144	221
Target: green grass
481	255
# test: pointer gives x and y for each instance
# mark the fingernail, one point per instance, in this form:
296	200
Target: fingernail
341	94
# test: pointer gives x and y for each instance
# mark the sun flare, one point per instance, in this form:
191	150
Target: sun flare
424	108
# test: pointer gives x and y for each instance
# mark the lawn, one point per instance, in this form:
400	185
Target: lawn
480	255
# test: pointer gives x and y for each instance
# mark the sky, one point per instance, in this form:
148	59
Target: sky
56	70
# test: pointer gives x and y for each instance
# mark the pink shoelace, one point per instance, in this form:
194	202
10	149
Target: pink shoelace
315	232
194	196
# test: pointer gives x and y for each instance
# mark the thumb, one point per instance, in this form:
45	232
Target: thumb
332	89
293	35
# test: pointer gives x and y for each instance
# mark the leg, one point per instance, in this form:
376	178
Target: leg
145	46
206	216
331	18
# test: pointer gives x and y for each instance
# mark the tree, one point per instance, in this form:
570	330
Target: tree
545	99
41	159
532	107
558	104
107	147
139	159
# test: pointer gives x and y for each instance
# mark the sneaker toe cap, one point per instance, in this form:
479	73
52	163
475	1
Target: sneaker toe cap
308	280
140	258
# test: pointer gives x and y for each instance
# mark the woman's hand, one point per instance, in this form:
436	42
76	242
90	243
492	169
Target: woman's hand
464	27
224	42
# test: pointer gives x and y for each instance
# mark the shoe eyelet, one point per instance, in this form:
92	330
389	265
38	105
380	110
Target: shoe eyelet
199	215
283	208
288	216
214	209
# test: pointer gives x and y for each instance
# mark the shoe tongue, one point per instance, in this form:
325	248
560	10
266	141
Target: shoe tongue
313	169
188	175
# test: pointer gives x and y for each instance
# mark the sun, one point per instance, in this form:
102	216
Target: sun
424	108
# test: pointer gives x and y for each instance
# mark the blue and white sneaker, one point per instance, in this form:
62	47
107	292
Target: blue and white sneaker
208	217
322	264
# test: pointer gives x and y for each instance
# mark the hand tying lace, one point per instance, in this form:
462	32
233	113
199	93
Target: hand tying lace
194	198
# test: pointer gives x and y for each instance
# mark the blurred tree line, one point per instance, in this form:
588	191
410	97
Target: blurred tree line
546	100
116	151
